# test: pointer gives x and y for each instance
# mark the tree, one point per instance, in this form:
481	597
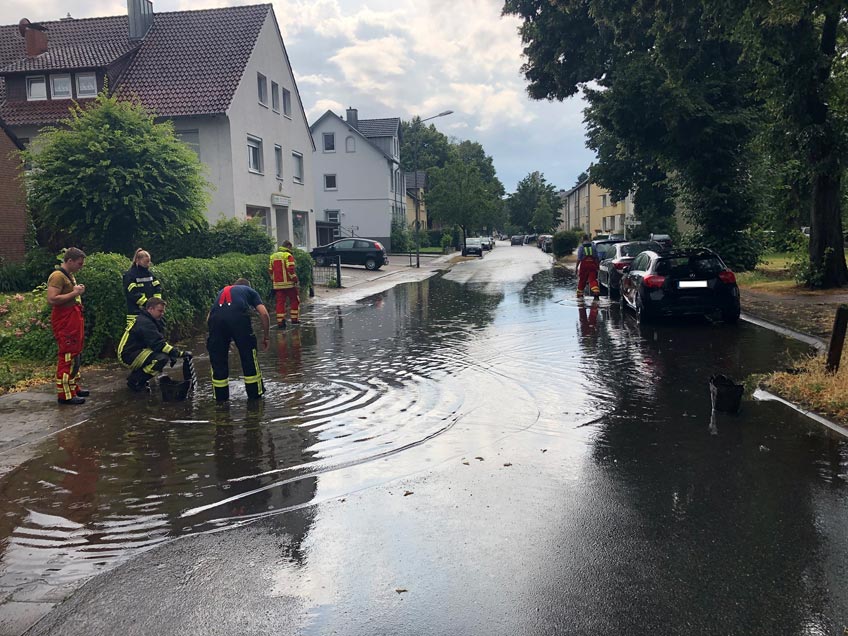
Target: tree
543	220
422	146
799	51
529	193
110	175
458	195
665	90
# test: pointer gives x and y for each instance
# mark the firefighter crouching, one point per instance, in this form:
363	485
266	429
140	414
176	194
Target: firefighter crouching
144	349
587	268
229	321
284	279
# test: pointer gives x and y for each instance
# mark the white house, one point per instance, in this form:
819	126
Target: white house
221	75
359	186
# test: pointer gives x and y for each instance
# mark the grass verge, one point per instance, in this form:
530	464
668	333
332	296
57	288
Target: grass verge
21	374
809	385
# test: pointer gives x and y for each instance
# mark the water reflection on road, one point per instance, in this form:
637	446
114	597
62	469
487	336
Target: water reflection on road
432	371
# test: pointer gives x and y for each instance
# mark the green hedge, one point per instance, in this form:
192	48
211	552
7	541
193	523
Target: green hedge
565	242
190	286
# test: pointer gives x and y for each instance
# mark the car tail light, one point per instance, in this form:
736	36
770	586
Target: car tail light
377	246
652	280
727	277
620	264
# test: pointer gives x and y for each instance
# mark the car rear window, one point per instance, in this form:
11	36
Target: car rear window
683	266
605	250
634	249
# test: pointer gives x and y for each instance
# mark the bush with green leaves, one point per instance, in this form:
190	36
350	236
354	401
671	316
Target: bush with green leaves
565	242
20	277
400	237
446	241
108	175
227	235
190	286
740	251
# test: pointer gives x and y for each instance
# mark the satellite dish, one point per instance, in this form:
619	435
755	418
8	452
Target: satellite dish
22	26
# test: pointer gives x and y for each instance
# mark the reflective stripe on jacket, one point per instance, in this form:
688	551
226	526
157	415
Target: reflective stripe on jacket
140	285
282	269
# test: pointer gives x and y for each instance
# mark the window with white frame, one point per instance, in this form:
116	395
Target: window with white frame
332	216
254	154
330	182
278	160
329	142
297	168
257	215
603	200
60	86
350	144
262	88
275	97
391	180
36	88
86	85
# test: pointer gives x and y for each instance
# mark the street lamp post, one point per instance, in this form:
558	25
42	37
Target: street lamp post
417	190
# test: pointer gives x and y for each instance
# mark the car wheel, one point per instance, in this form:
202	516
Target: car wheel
371	264
730	317
642	314
320	261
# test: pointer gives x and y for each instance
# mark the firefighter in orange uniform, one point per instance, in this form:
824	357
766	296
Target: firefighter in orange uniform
587	268
63	295
284	279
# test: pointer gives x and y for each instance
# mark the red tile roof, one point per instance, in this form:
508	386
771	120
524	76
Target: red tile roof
189	63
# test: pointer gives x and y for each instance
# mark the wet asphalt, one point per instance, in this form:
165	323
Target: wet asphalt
476	453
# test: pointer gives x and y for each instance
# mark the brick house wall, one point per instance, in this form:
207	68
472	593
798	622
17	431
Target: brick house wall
12	201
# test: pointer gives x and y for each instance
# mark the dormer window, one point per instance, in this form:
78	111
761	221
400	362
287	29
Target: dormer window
60	86
86	85
36	88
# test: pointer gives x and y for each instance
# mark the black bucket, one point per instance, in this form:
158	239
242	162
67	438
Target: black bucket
173	391
726	395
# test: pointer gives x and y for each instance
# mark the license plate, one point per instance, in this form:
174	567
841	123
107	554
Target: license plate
689	284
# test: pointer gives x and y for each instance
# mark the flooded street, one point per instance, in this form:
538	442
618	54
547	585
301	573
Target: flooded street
477	453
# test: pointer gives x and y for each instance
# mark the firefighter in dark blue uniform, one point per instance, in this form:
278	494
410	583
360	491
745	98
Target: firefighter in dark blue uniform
144	348
229	321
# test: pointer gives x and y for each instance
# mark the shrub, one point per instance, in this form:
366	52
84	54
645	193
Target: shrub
189	286
434	237
20	277
226	236
565	242
399	237
741	251
446	241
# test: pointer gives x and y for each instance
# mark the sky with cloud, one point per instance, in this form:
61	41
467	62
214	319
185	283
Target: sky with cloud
400	58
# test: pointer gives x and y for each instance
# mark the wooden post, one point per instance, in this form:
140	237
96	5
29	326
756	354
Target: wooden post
837	339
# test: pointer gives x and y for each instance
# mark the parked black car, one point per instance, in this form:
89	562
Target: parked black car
662	239
619	256
473	246
518	239
353	251
680	282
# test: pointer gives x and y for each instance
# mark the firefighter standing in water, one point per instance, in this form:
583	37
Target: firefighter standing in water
284	279
140	285
229	321
63	295
587	268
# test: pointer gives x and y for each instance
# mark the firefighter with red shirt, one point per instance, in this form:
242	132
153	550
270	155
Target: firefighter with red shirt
64	296
587	268
284	280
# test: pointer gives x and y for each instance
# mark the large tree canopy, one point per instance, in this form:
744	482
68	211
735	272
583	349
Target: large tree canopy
680	91
458	195
422	146
110	175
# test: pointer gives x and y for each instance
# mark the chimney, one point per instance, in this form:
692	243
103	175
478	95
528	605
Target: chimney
353	117
35	36
140	14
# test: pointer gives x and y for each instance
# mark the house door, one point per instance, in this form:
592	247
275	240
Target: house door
281	215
